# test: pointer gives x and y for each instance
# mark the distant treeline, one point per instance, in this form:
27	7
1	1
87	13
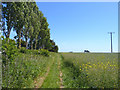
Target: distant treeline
29	23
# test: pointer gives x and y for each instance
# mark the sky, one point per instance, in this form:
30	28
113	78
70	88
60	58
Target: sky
79	26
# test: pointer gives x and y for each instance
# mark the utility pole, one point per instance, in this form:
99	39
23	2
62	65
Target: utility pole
111	40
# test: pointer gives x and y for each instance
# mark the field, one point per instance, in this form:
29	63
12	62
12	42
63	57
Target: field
90	70
79	70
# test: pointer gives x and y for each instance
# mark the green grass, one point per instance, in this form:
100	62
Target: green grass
53	80
24	69
90	70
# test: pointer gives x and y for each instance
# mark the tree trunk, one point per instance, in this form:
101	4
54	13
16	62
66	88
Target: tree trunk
43	46
26	42
32	46
19	39
31	43
8	34
19	43
35	43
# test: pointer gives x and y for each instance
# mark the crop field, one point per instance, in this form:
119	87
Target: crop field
90	70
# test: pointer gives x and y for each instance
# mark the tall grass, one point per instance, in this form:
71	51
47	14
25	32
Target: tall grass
23	70
90	70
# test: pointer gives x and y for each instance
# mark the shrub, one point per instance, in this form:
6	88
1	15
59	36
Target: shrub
23	50
36	51
9	49
44	52
28	51
54	49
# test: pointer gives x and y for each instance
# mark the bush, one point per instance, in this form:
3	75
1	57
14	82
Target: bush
44	52
9	49
28	51
23	50
36	51
54	49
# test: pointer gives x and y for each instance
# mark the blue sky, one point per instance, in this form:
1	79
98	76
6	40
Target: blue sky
76	26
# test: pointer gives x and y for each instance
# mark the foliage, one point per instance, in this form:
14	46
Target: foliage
23	70
9	49
54	48
23	43
21	66
23	50
44	52
28	22
7	18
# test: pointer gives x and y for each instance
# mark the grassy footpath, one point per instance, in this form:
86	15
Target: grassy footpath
53	79
40	79
89	70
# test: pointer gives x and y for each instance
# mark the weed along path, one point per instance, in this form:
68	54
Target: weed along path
39	80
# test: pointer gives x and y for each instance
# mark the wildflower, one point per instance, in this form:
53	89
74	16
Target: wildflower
90	66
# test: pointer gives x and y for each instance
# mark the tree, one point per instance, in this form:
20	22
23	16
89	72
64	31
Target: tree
40	16
19	20
8	17
36	24
44	34
29	24
54	48
23	43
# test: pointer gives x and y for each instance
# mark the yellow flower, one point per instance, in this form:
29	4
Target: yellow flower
90	66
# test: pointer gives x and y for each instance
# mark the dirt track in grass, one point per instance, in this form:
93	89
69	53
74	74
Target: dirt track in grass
40	80
61	80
